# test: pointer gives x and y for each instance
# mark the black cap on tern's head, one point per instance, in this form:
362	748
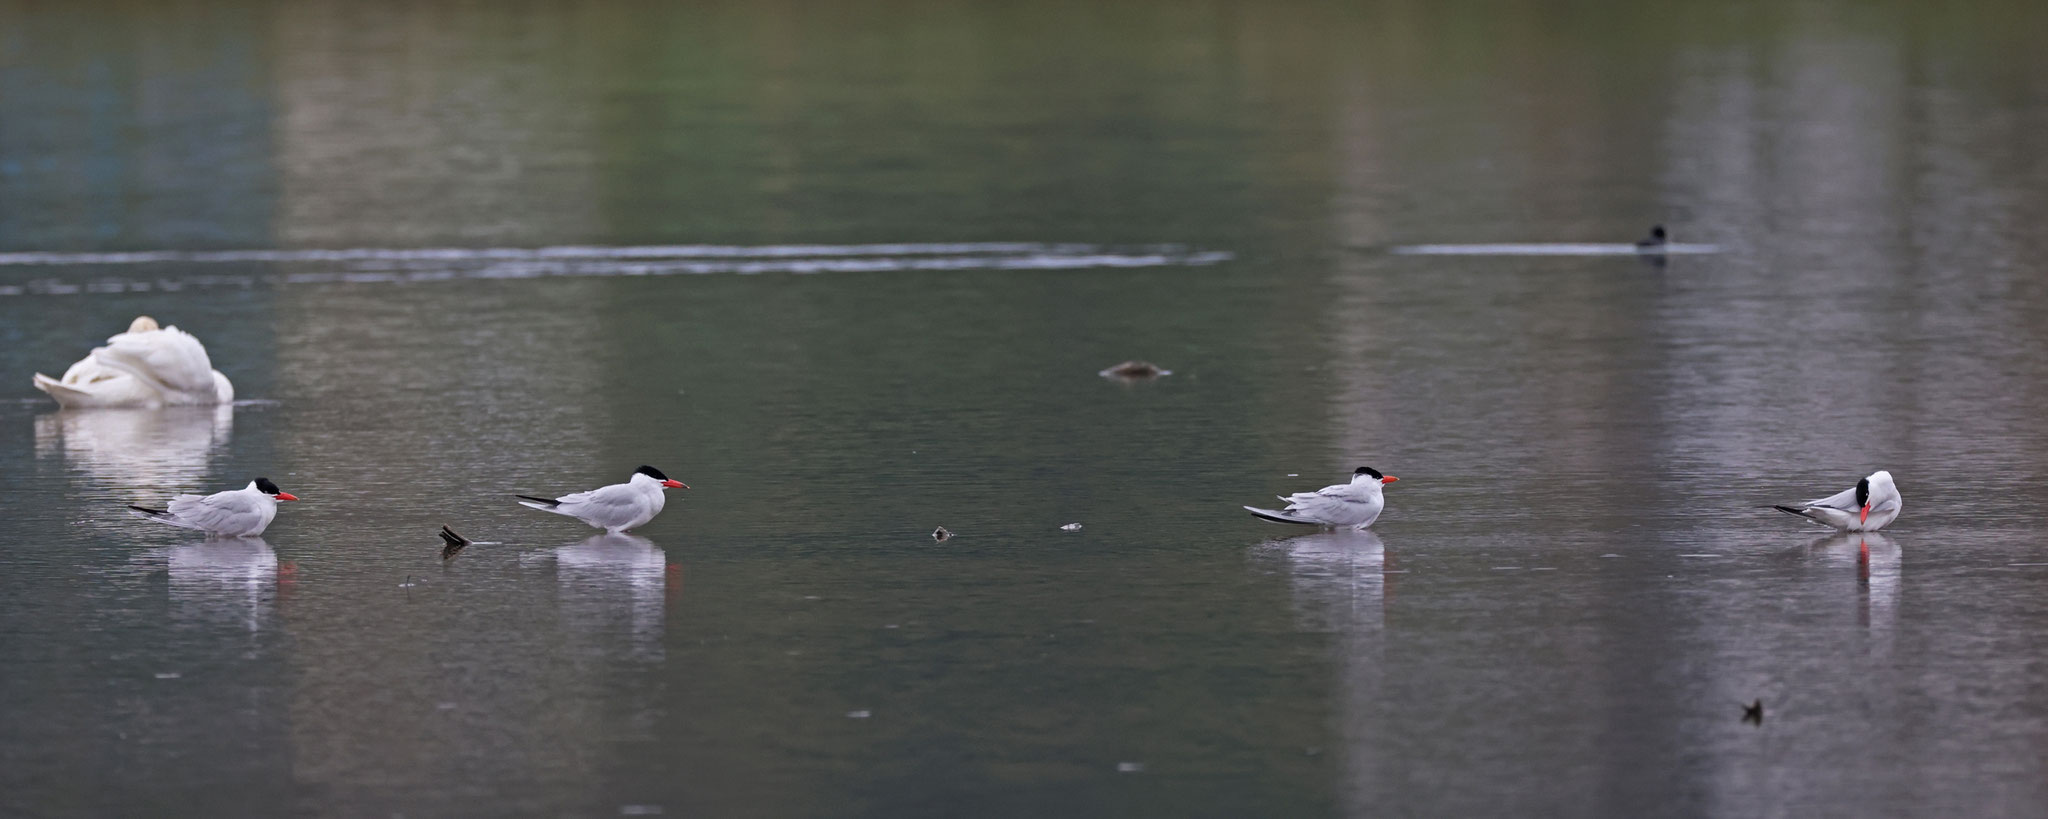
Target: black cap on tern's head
1366	472
264	486
663	479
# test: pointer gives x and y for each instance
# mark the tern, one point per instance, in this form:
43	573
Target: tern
1872	505
244	512
1352	505
615	508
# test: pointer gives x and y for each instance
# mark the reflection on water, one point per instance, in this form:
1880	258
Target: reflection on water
1339	579
1875	559
613	584
237	579
141	453
1342	585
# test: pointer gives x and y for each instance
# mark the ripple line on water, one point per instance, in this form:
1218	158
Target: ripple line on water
387	265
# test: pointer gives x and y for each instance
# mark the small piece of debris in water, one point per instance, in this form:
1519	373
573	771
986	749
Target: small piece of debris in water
1753	713
168	675
451	542
1071	527
639	810
859	714
1134	369
1130	767
940	534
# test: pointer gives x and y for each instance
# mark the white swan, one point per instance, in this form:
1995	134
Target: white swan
144	367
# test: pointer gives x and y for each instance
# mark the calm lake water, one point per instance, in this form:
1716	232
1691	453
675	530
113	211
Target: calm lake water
849	270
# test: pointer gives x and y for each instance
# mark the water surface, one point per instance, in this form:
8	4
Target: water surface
849	270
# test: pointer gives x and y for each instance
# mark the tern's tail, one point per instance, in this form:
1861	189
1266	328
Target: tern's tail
543	504
1793	510
1280	517
159	516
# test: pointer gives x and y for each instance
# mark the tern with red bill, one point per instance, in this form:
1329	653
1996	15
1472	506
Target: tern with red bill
616	508
1353	505
1871	505
244	512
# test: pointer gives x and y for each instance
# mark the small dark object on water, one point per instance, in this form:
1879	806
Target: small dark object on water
940	534
1134	369
1753	713
1658	238
454	542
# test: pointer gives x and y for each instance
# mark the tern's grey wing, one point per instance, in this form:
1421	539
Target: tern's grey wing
223	512
607	506
1326	507
1844	500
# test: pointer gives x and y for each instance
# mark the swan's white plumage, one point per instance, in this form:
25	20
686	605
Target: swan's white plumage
145	367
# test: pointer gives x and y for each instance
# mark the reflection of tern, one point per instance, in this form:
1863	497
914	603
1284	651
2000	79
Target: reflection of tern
1872	504
1355	505
235	575
1878	567
234	513
1340	570
593	573
615	508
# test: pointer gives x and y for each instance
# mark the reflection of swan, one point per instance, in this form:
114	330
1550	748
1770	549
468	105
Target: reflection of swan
607	576
144	367
1877	559
143	450
237	577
